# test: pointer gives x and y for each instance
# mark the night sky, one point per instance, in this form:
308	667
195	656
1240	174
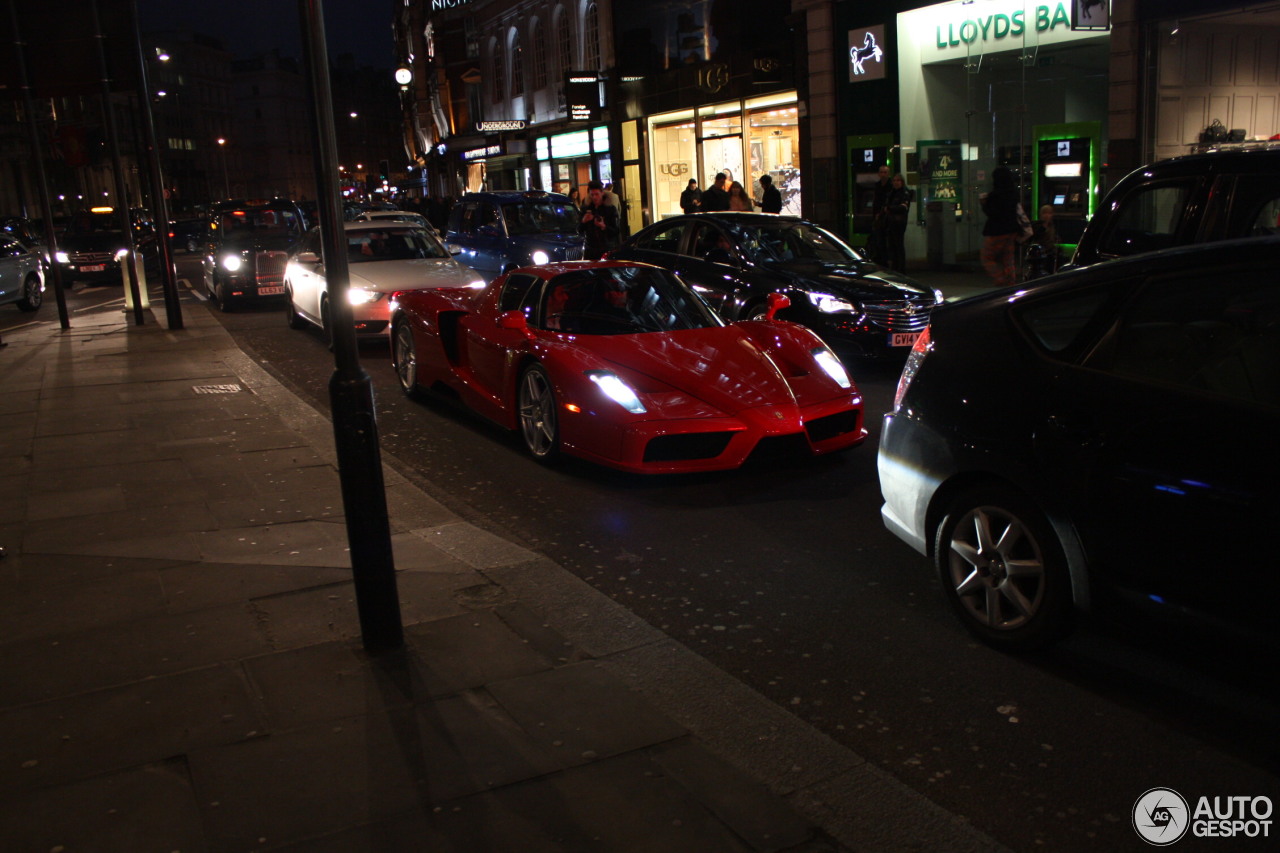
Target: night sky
248	27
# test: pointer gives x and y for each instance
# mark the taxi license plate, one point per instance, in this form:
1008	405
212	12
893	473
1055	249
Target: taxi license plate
270	291
94	268
903	339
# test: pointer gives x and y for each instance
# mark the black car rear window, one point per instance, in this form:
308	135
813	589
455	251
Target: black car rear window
1058	323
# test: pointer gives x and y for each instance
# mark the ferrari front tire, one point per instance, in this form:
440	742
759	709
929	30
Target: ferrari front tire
536	405
405	353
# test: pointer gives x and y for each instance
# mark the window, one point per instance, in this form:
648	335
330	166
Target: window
592	37
517	66
539	56
520	293
1057	322
1216	332
564	40
499	71
1147	220
662	239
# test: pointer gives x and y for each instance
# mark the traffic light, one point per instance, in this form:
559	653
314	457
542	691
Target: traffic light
383	170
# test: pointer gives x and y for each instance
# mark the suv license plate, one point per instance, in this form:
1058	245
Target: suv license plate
903	339
271	291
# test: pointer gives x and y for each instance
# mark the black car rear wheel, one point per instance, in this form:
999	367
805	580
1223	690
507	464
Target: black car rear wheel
1003	569
536	405
32	298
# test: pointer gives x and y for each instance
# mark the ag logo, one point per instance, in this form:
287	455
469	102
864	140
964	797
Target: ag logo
1161	816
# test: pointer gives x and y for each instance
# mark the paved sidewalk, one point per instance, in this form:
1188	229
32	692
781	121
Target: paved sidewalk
180	665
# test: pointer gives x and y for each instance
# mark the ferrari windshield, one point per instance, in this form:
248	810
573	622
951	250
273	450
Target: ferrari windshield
540	216
788	240
622	301
392	244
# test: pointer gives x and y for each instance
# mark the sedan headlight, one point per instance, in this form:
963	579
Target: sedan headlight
62	257
358	296
539	258
121	254
828	304
831	366
232	263
617	390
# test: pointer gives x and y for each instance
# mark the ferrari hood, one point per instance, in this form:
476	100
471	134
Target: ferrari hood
721	366
412	274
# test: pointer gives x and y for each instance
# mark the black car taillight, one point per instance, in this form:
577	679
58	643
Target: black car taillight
923	346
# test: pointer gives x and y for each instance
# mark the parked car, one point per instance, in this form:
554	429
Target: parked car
1103	435
92	246
395	216
187	234
495	232
246	248
21	274
383	257
735	260
624	365
1199	198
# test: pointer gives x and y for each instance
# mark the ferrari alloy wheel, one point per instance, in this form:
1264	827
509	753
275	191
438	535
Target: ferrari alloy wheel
32	298
536	403
406	361
1003	569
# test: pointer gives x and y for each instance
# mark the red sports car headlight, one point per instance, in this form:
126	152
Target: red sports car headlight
617	390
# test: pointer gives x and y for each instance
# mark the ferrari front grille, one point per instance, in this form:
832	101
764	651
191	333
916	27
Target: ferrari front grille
693	445
821	429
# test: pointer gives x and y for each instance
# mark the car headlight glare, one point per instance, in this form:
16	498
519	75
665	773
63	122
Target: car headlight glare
358	296
121	254
828	304
539	258
232	263
831	366
62	257
617	390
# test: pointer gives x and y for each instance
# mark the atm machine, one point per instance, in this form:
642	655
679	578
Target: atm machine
1067	167
866	155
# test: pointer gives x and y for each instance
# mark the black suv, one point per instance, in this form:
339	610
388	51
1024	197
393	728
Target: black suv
1199	198
92	246
499	231
247	245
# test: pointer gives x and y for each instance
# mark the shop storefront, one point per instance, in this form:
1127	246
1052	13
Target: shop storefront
744	138
993	83
567	162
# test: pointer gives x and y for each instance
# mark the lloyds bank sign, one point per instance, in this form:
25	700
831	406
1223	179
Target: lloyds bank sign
988	27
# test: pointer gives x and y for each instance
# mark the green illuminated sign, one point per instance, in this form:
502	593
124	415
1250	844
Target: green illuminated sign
1000	25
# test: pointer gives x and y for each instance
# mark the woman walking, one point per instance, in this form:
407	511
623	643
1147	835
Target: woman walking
1001	232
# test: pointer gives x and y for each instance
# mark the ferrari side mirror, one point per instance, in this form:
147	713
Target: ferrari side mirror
514	320
777	302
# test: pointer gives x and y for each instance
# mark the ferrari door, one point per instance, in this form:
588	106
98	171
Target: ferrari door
485	348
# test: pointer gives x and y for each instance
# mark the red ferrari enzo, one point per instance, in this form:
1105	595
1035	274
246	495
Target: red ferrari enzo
625	365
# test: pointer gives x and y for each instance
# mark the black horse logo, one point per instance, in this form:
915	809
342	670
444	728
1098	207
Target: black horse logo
1086	8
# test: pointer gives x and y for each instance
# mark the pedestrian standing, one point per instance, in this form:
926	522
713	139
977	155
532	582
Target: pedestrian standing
897	206
691	198
599	224
770	196
717	197
738	198
1001	233
878	246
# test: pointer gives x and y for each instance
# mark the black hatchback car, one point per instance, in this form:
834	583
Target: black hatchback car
1104	435
247	246
495	232
735	260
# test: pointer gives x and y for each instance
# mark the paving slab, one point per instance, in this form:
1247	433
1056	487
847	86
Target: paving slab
48	610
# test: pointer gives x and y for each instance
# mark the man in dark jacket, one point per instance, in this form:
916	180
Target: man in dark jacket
716	198
770	197
599	223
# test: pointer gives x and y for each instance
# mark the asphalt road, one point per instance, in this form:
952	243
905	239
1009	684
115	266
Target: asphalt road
783	575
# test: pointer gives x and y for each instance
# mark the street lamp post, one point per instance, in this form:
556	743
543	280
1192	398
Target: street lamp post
226	180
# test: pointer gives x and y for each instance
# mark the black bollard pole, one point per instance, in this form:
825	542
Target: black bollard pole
355	428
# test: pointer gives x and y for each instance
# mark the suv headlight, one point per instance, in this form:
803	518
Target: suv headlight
539	257
232	263
62	257
828	304
359	296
